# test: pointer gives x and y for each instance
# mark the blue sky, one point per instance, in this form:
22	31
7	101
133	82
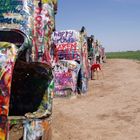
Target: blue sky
115	23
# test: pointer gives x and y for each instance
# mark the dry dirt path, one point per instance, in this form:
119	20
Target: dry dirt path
109	111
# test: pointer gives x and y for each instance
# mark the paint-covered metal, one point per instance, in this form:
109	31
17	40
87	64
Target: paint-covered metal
26	79
66	75
35	18
8	53
70	59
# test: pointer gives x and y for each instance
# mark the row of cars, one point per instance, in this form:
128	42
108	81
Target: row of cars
71	70
36	63
73	54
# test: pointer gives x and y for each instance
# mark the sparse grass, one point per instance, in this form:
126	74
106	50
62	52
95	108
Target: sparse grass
124	55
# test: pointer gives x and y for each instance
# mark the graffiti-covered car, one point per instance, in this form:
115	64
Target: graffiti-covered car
71	61
66	74
26	79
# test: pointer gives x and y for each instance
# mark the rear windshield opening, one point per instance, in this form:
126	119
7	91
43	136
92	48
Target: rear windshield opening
13	36
28	87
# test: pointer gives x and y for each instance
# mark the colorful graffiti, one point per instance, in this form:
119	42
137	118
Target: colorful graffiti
68	36
43	28
71	48
98	53
68	51
36	20
67	45
36	129
7	60
65	75
84	64
16	14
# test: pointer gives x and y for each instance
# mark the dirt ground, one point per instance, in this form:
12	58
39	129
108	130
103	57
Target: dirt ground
109	111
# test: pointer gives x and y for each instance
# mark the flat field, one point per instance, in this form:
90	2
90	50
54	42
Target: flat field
124	55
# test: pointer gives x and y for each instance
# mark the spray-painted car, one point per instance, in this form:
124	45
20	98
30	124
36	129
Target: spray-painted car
26	80
71	61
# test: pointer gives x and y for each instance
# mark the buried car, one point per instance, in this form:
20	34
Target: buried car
26	79
66	75
71	62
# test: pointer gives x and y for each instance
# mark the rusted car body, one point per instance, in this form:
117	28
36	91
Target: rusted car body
71	62
26	80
